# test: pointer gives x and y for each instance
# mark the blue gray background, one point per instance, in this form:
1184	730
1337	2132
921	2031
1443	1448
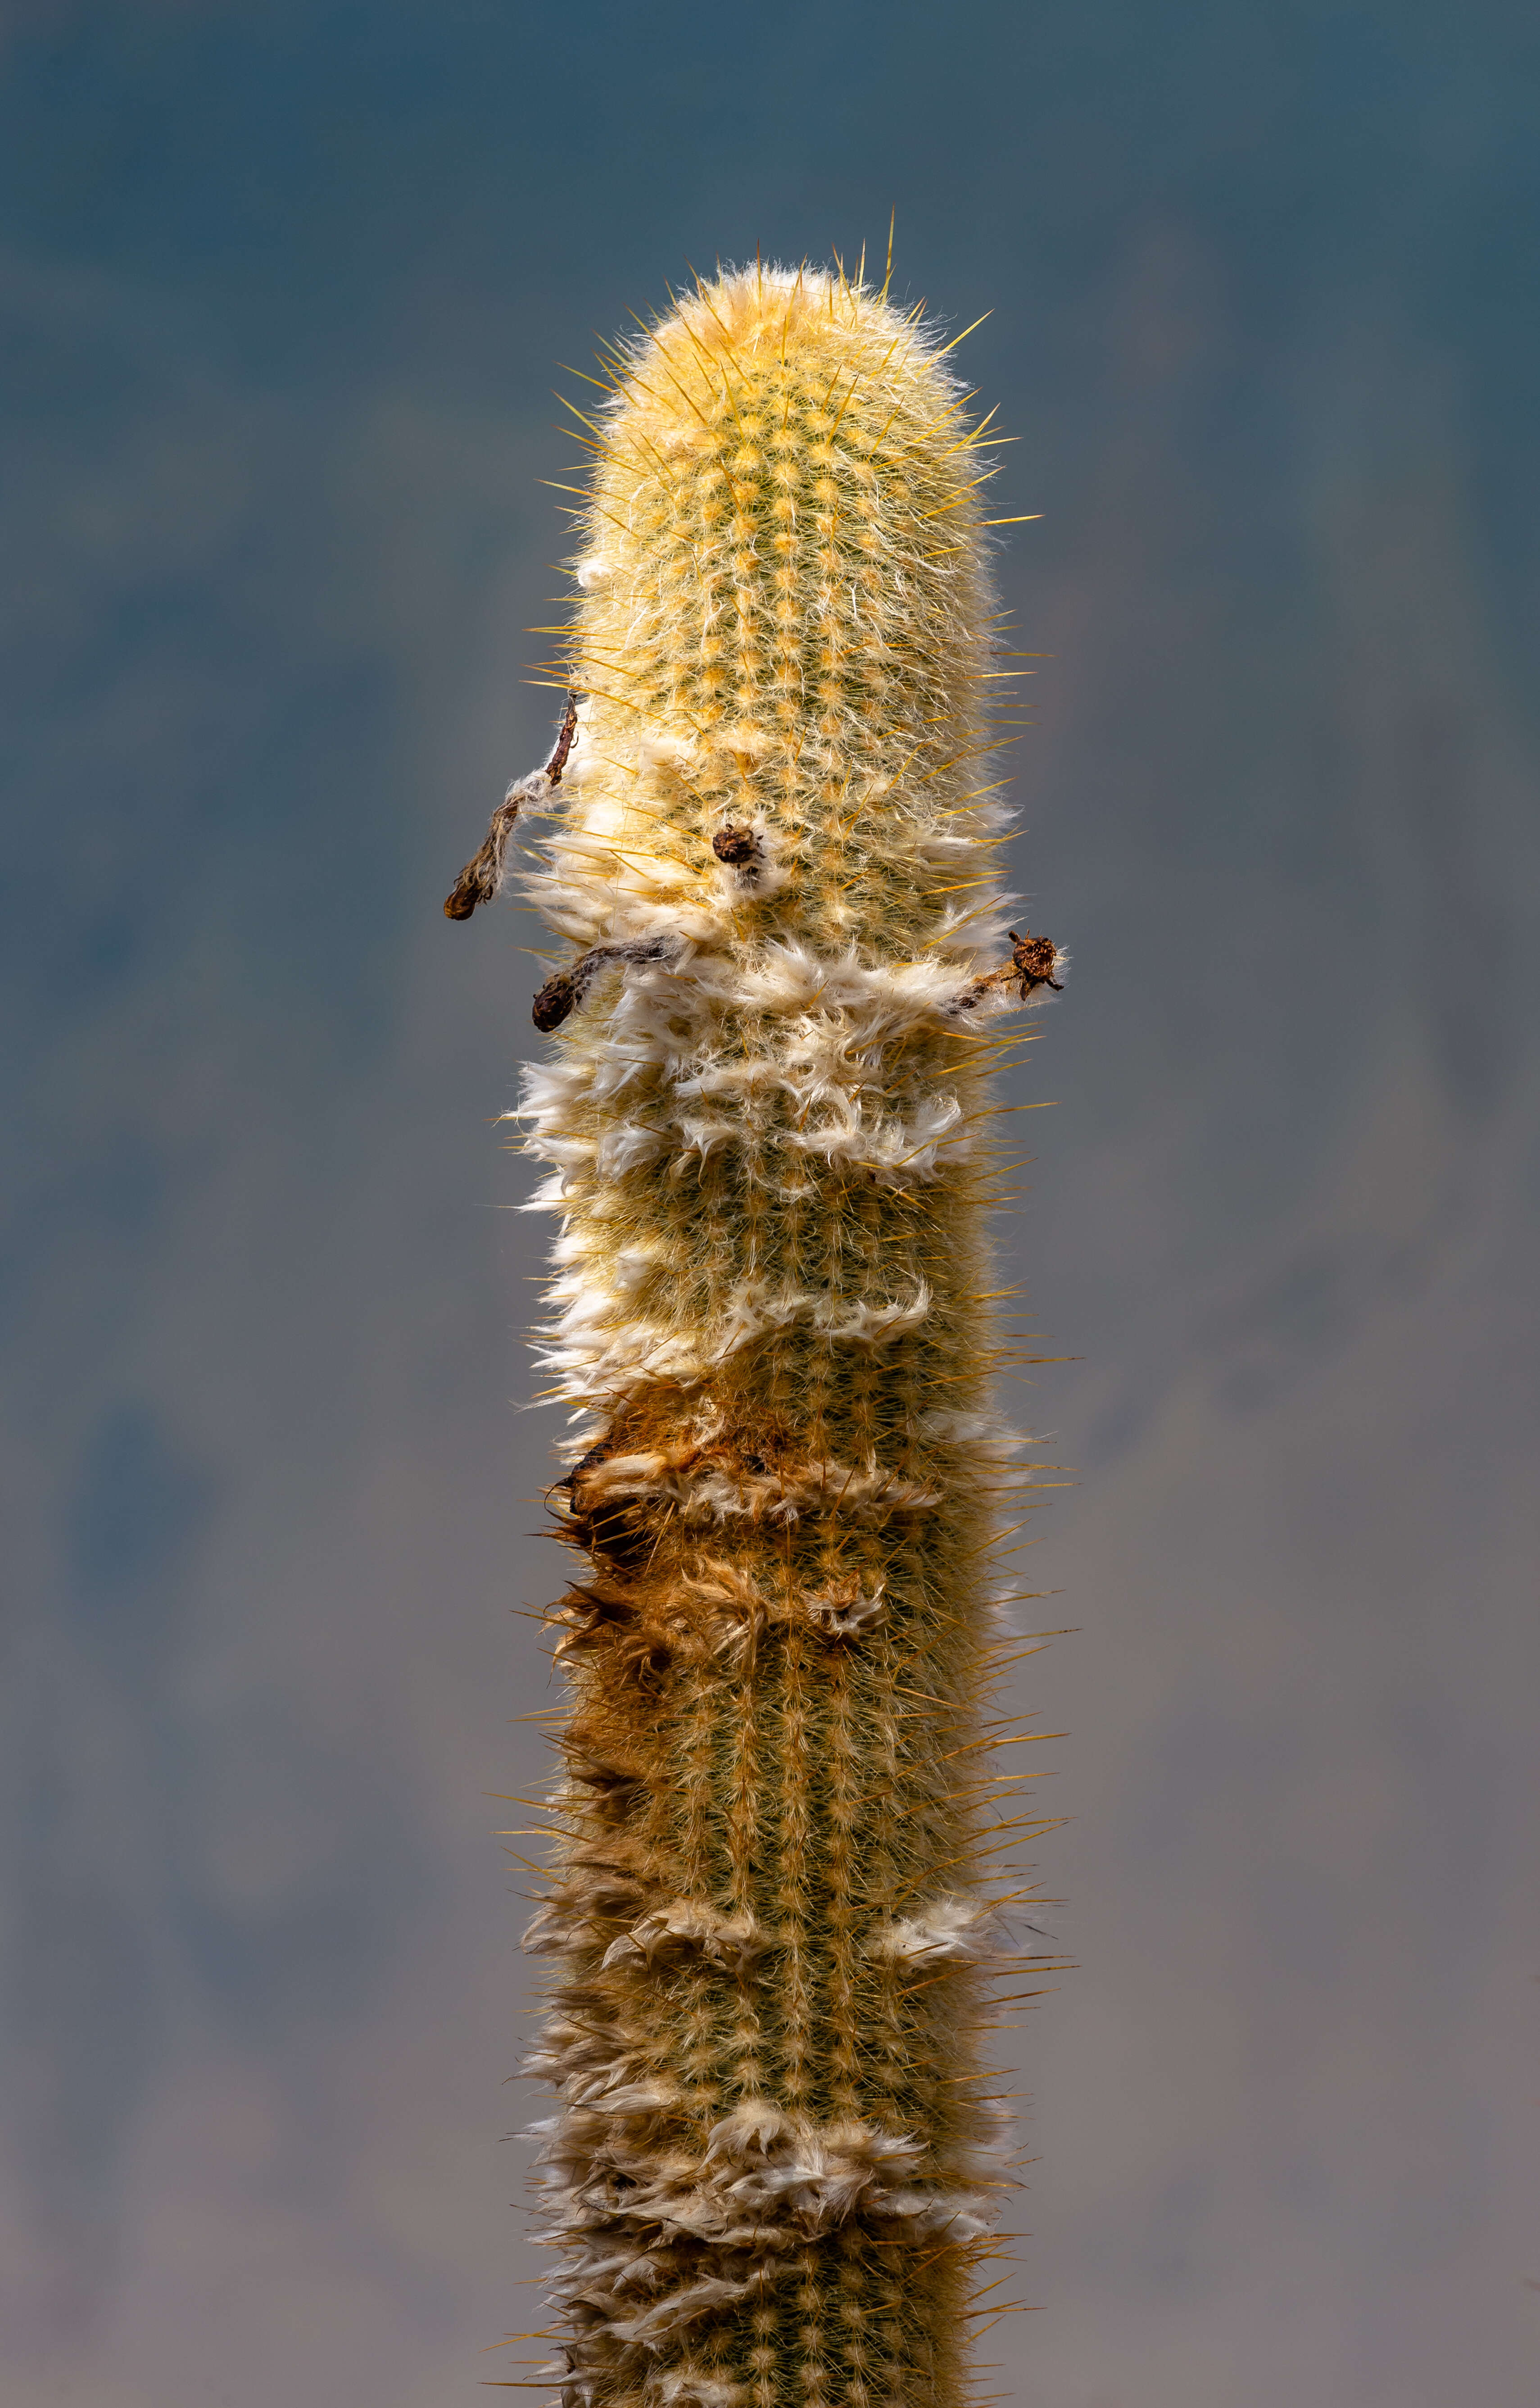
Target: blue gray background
284	288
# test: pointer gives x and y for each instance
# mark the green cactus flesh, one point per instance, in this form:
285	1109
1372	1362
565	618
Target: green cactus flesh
767	1113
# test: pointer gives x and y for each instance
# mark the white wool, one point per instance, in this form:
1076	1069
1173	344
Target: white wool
751	2130
873	1324
887	1146
660	749
949	1931
679	2308
707	1492
689	2386
972	1429
768	2184
824	1025
689	1927
629	1267
636	2100
627	1148
809	998
846	1608
549	1196
697	1139
602	1355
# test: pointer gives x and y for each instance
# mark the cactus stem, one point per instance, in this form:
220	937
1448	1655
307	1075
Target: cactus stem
765	1120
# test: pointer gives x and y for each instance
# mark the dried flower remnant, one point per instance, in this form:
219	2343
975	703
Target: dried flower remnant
735	846
1035	959
483	875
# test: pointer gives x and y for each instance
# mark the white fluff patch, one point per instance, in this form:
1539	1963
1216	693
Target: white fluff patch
705	1492
767	2185
663	749
893	1150
687	1929
971	1429
564	1922
690	2386
749	2132
824	1026
873	1003
603	1354
844	1609
949	1931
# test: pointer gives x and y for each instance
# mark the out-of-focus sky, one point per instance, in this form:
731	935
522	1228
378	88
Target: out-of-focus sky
284	288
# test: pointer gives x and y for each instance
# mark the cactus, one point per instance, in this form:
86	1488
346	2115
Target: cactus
767	1113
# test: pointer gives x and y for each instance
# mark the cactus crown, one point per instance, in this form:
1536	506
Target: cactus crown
765	1113
784	626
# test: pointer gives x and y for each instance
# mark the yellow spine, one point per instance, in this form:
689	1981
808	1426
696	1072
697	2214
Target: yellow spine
765	1112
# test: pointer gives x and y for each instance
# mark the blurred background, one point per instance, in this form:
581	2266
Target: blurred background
283	289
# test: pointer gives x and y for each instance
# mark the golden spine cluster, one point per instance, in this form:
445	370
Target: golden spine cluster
767	1117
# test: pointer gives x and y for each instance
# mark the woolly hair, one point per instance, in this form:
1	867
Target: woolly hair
766	1111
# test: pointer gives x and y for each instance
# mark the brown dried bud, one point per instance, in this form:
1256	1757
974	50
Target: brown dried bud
557	761
476	883
734	846
562	994
554	1001
1035	958
483	875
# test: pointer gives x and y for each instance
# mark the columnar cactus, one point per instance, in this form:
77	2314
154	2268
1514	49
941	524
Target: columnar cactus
768	1116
